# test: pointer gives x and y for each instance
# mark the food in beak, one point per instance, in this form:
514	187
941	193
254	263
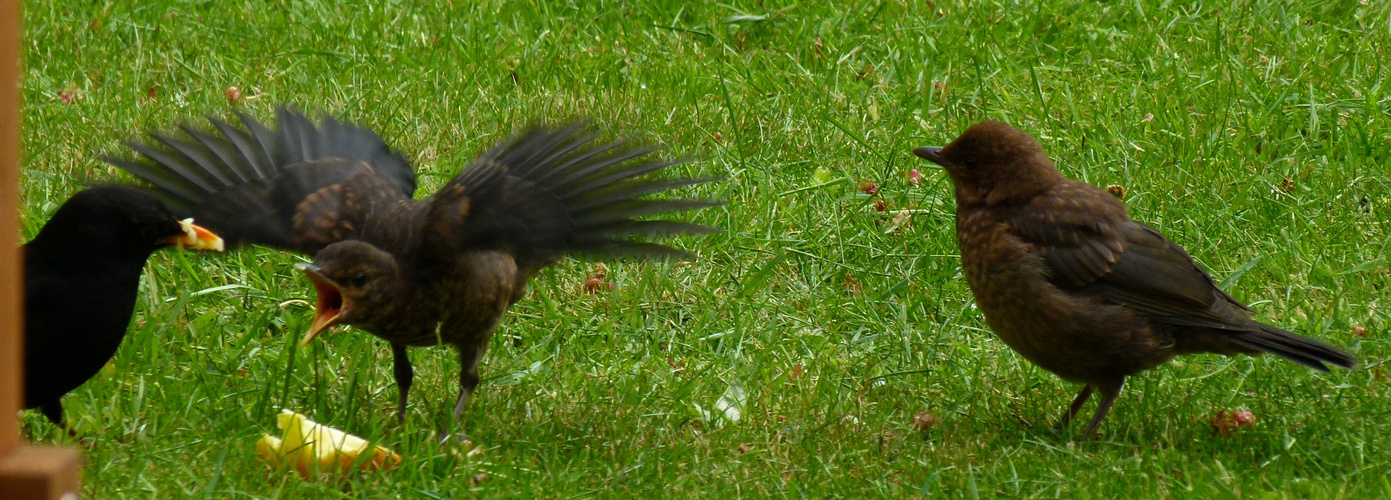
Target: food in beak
195	237
328	307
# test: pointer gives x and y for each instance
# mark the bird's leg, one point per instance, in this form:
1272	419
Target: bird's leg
405	375
1077	402
469	355
1109	391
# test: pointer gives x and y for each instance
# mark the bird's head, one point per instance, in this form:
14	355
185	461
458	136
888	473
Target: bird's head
125	219
354	281
993	162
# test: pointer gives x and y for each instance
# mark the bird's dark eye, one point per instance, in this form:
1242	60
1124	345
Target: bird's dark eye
358	280
971	162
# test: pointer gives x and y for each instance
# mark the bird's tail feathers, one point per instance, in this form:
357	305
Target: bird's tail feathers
1294	347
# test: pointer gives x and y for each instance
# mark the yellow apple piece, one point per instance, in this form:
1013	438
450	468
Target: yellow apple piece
312	447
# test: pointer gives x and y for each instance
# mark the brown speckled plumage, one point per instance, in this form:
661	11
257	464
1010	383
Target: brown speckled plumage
1067	280
440	270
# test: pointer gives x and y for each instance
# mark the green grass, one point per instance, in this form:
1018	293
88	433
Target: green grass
1202	111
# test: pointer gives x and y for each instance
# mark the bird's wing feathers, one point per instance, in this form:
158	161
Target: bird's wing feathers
247	183
1123	261
547	192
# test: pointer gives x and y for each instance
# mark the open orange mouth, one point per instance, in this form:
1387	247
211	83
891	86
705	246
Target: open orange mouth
328	307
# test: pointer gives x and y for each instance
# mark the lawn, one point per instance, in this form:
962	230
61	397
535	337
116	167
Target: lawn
1253	133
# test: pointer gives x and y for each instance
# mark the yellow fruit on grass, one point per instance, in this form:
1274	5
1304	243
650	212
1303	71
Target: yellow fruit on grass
311	447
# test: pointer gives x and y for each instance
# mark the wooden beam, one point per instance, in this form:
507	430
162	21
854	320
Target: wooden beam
10	337
26	472
40	472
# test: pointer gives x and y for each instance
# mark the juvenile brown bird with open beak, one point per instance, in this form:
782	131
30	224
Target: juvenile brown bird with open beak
441	270
1068	281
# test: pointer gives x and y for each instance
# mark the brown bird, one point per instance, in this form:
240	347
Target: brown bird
441	270
1068	281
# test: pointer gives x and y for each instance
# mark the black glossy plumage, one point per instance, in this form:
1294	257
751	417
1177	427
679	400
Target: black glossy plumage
81	278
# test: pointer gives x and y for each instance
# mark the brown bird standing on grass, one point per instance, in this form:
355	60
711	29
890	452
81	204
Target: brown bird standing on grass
441	270
1068	281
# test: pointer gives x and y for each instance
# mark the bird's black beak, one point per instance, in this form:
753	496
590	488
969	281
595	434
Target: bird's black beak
329	306
932	154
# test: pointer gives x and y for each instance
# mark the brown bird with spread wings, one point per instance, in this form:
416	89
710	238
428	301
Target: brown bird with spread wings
441	270
1068	281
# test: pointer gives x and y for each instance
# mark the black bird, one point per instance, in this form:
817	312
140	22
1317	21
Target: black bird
81	277
1068	281
441	270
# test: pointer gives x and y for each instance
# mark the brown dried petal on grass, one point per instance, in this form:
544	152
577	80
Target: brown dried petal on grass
1225	423
1359	331
479	478
595	283
881	206
743	448
851	283
901	220
867	186
924	421
1116	190
233	95
796	372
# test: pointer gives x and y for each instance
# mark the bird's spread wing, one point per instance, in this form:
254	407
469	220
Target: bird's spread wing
1090	250
281	187
547	192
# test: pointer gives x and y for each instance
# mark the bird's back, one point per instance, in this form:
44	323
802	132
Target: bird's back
1076	335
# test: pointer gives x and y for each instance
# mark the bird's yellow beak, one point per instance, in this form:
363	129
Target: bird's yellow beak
329	306
195	237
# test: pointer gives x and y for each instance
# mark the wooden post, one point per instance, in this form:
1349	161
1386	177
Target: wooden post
25	471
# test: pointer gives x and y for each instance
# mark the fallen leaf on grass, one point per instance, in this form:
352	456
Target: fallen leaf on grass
594	283
868	187
1226	423
924	421
233	94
